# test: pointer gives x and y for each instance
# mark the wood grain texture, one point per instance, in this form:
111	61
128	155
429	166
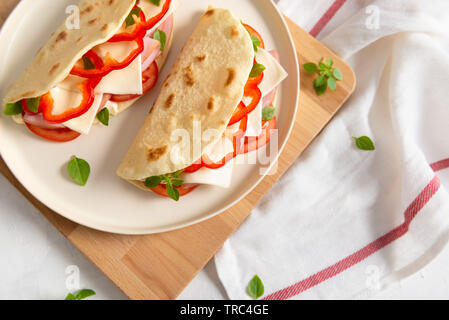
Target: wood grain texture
160	266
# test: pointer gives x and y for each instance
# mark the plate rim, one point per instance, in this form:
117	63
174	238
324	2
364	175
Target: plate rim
8	24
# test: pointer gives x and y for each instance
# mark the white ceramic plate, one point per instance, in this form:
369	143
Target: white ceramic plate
108	203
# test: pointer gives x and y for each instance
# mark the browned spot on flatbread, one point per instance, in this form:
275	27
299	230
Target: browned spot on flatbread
200	58
210	12
61	36
104	27
188	76
54	68
42	55
87	9
91	22
156	153
79	39
231	77
169	101
211	104
234	31
28	93
111	2
152	108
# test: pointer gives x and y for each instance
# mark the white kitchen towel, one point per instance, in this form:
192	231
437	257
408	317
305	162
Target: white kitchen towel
344	223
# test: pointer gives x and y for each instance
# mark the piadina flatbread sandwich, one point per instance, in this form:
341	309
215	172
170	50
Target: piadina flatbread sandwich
216	104
85	73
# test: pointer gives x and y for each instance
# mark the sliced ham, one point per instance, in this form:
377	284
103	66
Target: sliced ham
149	42
39	121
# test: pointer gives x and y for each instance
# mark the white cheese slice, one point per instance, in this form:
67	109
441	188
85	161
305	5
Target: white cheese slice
219	177
112	107
255	122
274	73
123	81
65	100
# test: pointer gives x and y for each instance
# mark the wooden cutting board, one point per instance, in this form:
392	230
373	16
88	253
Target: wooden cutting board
160	266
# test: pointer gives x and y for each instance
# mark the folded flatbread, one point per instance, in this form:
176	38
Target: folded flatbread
99	21
201	93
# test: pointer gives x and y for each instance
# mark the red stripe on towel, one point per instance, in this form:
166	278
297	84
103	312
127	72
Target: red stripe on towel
330	13
330	272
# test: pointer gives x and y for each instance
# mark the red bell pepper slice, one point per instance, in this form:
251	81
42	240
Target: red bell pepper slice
237	144
142	25
129	36
87	88
110	64
253	92
137	36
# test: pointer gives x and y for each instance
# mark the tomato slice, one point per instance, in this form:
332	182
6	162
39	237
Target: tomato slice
149	80
253	32
183	190
55	135
252	143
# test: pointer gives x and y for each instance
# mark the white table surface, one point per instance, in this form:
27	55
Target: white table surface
35	256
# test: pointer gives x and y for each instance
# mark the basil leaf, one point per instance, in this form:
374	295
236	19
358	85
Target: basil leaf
155	2
177	182
268	113
172	192
364	143
310	67
70	297
320	85
332	83
88	64
327	78
320	81
153	182
79	170
33	104
178	173
257	70
161	37
103	116
256	288
337	74
129	19
85	293
323	66
13	109
256	42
